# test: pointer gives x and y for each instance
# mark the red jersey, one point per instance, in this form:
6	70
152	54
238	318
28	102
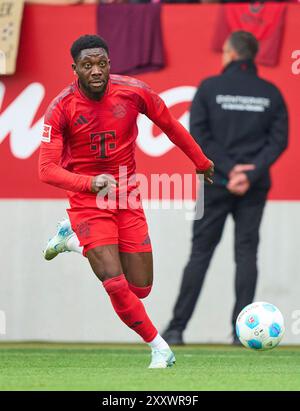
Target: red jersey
83	137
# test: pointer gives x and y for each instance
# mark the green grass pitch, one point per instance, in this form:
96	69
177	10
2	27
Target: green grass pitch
109	367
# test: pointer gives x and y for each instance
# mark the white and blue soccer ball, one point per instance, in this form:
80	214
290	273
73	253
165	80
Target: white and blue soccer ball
260	326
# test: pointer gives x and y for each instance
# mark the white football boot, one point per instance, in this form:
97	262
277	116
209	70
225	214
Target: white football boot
162	358
58	243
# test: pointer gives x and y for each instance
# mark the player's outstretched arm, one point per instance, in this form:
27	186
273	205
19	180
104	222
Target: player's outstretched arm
182	138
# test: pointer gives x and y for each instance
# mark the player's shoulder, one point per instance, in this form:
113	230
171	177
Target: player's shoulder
137	91
64	96
57	105
130	83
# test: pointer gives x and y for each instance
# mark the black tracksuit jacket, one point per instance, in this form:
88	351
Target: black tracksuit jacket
239	118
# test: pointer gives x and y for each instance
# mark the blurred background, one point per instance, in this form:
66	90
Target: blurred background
62	300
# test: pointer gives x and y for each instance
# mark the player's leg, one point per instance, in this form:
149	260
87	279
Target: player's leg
138	269
247	217
137	262
135	249
98	232
107	266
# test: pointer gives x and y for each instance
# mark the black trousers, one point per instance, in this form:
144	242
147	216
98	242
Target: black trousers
247	214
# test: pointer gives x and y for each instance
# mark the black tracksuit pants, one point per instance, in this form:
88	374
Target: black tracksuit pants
247	213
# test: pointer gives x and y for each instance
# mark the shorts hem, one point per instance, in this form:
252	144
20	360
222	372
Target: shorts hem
98	243
135	250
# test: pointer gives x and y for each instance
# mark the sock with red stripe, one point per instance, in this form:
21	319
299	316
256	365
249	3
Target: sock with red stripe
129	307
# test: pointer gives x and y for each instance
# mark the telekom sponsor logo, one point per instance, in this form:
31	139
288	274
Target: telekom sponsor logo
25	137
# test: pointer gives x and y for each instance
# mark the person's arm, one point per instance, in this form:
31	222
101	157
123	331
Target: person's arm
51	172
200	130
158	112
50	169
276	143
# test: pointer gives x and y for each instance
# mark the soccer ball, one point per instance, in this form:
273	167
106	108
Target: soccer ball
260	326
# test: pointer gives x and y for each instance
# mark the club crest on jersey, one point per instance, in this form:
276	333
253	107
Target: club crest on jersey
46	135
119	110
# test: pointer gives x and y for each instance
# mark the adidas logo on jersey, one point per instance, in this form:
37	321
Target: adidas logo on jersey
81	120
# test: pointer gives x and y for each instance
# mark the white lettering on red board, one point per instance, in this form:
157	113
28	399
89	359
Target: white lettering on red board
17	119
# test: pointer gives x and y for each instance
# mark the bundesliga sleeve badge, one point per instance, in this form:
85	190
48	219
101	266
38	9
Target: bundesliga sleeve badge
46	135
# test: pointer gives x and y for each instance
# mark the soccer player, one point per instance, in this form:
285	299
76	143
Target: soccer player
89	133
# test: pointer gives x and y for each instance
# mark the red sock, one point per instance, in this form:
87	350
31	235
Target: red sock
141	292
129	308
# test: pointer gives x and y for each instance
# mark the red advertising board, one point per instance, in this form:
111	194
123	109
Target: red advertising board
44	69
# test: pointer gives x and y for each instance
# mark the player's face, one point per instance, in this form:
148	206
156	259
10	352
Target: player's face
92	68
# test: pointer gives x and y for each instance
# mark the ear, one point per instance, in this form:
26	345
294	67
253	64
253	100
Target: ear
74	68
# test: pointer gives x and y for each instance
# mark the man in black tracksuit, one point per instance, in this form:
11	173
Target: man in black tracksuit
241	122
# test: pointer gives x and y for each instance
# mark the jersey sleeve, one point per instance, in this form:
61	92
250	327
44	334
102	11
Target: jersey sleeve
156	110
50	156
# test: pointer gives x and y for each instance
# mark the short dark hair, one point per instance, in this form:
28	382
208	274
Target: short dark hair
88	41
244	43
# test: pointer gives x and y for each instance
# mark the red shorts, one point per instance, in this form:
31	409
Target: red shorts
95	226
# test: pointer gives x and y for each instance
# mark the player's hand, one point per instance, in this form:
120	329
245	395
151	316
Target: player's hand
103	181
208	174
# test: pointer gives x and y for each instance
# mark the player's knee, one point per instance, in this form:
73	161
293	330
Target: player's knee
140	292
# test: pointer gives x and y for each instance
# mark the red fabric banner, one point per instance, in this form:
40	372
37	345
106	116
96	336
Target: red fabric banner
123	26
265	21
